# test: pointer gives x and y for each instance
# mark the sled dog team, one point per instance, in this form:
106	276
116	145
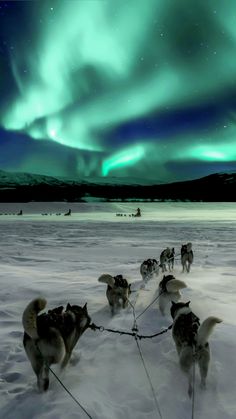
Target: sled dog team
49	338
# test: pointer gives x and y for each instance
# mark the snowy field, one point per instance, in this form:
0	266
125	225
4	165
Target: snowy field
60	258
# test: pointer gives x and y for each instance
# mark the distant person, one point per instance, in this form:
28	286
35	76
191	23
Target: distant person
20	212
68	213
138	213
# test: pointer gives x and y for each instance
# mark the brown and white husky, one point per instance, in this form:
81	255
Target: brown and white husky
191	340
49	338
118	291
186	256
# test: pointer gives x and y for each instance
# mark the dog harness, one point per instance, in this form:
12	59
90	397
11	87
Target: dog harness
150	262
186	327
120	281
57	319
184	250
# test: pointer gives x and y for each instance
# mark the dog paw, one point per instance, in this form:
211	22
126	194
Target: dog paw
43	384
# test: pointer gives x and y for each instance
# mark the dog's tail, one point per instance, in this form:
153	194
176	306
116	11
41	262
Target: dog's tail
175	285
30	316
206	329
107	279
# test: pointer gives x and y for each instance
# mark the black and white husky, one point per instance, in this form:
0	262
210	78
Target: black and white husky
148	268
118	291
191	340
49	338
167	258
169	290
186	256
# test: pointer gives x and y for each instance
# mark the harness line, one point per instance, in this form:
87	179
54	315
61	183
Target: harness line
135	328
149	305
71	395
94	327
193	384
149	378
137	295
68	391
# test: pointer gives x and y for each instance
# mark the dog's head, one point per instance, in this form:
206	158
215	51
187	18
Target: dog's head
79	314
186	248
174	310
121	282
164	281
168	277
189	247
183	249
152	262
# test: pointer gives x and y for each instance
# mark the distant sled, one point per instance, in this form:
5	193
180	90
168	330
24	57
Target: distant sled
137	214
68	213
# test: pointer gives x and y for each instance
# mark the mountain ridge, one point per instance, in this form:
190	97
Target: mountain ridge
27	177
25	187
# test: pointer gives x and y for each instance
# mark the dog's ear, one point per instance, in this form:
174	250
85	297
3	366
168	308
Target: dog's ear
68	307
187	304
173	303
85	308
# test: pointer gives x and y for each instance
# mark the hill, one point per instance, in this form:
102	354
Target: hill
25	187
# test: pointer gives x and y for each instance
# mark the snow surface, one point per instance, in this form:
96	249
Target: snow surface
61	258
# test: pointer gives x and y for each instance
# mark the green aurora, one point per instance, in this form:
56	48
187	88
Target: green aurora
94	68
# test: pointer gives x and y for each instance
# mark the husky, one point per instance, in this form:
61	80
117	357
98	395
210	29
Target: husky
186	256
191	340
169	290
118	291
49	338
148	268
167	257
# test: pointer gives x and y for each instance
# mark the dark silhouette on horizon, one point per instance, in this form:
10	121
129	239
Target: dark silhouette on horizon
219	187
138	213
68	213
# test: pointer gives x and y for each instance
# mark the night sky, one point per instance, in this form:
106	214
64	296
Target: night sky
130	88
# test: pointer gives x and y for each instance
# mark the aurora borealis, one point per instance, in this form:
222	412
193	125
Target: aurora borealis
128	88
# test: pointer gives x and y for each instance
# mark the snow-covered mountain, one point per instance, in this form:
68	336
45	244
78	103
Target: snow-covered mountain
121	180
24	187
18	178
29	179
